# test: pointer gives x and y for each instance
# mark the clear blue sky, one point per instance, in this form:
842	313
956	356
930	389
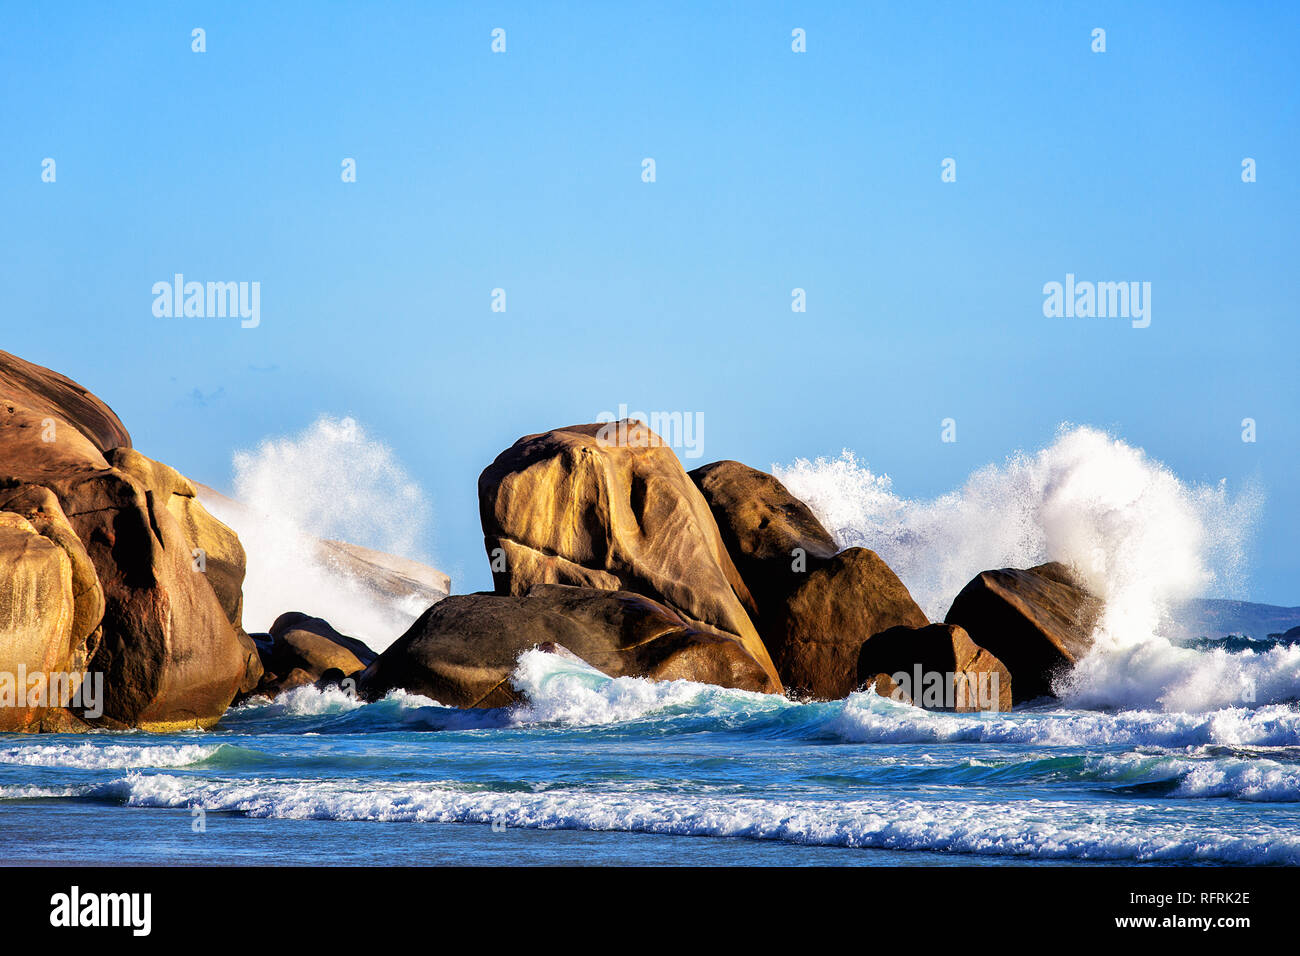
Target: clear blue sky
774	170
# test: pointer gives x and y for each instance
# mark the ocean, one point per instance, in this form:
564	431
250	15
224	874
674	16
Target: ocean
627	771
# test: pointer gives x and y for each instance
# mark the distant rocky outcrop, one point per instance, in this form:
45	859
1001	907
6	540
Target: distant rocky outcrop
609	506
387	577
1037	621
462	651
1215	618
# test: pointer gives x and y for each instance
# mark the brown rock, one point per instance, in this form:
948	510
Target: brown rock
609	506
462	651
762	524
1038	622
41	508
254	670
301	641
48	394
37	446
168	656
223	557
37	610
298	677
938	660
815	607
840	604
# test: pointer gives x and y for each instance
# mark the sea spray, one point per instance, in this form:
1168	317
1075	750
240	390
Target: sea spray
331	480
1138	536
564	693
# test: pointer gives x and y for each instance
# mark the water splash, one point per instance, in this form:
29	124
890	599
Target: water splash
332	480
1138	536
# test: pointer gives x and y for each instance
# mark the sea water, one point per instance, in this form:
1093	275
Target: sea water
595	769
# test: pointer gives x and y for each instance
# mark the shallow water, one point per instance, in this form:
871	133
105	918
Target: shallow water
629	771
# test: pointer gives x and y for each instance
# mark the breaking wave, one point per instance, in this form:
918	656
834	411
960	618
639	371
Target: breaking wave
1140	538
331	481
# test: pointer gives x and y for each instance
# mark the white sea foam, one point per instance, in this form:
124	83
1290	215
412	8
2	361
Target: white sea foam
333	481
1043	829
25	791
868	718
560	690
1255	780
564	692
1138	536
89	756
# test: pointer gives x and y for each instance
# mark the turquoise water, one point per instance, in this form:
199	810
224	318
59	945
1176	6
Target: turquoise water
629	771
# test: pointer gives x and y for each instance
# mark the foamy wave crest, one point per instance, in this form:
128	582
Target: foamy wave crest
1260	780
330	481
1142	540
868	718
1042	829
112	756
29	792
565	691
1157	671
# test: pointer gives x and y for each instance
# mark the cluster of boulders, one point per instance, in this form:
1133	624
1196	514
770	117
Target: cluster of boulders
601	546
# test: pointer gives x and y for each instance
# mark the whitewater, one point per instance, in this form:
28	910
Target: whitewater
1160	749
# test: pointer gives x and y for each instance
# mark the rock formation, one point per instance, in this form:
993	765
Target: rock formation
609	506
1038	622
815	606
149	620
462	651
937	667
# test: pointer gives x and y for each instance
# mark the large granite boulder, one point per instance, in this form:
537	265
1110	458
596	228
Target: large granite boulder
937	667
815	607
462	651
221	559
609	506
169	655
37	635
47	394
41	508
841	603
1038	622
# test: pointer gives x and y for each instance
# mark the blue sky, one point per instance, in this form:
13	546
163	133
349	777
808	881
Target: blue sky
775	170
